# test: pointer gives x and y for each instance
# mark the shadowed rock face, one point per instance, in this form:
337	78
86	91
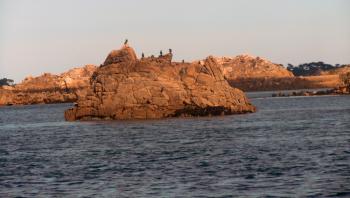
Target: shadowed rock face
125	87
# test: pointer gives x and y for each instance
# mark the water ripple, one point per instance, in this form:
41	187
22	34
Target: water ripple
295	147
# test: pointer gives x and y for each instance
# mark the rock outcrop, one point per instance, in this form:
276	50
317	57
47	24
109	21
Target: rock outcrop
48	88
125	87
251	73
247	66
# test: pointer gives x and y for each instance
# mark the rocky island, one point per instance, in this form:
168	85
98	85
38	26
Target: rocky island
126	87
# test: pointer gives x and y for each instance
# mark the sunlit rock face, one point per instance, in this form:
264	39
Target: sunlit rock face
251	73
48	88
125	87
247	66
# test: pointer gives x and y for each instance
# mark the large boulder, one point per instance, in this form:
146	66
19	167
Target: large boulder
125	87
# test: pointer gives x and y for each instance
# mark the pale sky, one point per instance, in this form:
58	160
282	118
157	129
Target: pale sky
38	36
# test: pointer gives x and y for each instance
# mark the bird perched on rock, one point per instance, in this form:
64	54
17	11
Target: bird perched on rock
161	53
126	42
170	51
143	55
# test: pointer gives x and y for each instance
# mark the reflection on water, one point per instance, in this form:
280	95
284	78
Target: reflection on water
291	147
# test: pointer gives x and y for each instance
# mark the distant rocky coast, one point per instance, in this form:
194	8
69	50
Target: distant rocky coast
48	88
244	72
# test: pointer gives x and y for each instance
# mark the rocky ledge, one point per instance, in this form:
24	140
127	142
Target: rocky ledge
125	87
341	90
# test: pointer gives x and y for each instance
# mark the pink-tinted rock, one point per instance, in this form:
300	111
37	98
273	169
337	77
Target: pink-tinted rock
48	88
125	87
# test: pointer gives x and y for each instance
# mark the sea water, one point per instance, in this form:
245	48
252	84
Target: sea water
291	147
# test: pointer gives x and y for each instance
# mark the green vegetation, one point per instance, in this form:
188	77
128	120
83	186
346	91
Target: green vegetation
6	81
311	69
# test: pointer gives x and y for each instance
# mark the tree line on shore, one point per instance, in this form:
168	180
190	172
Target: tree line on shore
6	82
312	69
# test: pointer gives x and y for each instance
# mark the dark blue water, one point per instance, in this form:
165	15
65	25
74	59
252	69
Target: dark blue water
292	147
